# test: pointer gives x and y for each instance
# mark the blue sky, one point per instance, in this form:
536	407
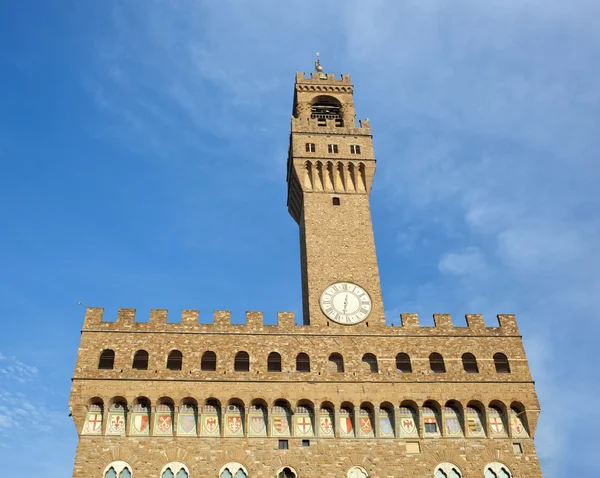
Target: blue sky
142	164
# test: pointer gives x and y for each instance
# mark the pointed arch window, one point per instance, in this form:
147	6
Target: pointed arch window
175	360
208	362
175	470
242	362
497	470
140	360
357	472
447	470
274	362
501	363
118	469
107	360
233	470
436	363
302	362
470	363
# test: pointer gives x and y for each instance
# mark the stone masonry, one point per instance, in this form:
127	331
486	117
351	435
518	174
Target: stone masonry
474	410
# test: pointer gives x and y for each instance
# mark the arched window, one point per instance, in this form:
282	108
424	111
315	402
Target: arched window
336	363
470	363
287	472
175	469
140	360
208	362
175	360
233	470
118	469
436	363
447	470
274	362
107	360
242	362
501	363
370	363
302	363
357	472
497	470
403	363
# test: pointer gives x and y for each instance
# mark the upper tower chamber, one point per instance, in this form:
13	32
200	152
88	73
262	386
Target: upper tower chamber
331	165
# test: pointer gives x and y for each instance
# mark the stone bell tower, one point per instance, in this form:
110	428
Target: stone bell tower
331	165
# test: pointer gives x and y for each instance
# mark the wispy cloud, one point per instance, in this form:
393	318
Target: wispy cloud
13	369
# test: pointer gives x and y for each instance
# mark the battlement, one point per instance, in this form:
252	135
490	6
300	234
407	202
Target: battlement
409	324
320	78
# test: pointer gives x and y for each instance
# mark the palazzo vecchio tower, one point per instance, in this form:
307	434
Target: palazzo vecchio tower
340	396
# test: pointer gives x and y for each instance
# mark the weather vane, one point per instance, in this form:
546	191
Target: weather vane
318	67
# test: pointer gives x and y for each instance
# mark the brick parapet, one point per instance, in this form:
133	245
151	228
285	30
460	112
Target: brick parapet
409	324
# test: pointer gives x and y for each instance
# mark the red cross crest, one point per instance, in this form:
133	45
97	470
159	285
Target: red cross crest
304	425
94	422
496	425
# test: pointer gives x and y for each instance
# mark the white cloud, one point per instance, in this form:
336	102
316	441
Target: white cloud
467	261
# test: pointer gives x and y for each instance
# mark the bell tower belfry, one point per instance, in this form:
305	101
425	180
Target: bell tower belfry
331	165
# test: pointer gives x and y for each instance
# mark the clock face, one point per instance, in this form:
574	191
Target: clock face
345	303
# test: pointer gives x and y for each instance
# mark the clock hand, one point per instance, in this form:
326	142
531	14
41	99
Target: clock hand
345	303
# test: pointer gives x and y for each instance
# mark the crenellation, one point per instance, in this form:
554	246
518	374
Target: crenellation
409	320
442	321
126	317
158	317
285	320
222	318
508	322
475	321
189	317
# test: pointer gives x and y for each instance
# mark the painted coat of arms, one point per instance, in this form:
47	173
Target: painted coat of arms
366	426
257	424
474	424
280	424
517	426
140	423
94	423
211	424
234	424
304	425
326	425
385	426
496	425
346	425
164	423
117	423
453	426
408	425
187	424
